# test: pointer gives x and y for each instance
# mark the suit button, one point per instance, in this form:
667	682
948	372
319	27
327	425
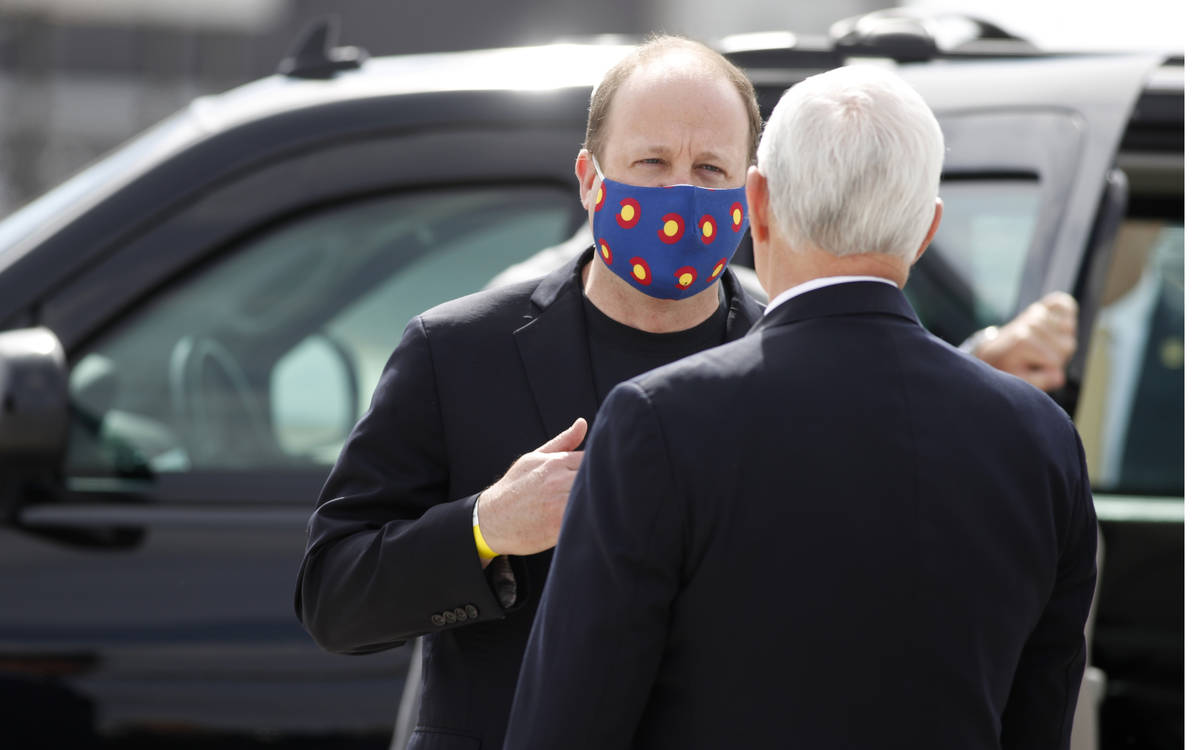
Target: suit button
472	612
460	614
449	617
438	620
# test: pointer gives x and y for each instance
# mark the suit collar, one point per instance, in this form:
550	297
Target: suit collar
554	350
819	282
564	281
744	310
852	298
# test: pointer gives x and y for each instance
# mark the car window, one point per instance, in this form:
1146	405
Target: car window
265	358
1130	411
971	276
987	227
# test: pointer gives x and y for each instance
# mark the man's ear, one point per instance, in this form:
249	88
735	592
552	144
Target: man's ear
933	227
760	206
759	210
585	172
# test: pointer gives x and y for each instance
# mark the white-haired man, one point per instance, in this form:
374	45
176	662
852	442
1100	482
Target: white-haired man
837	531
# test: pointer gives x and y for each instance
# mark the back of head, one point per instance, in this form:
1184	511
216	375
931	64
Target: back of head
852	159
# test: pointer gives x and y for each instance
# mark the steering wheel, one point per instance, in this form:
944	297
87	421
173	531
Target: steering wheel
222	419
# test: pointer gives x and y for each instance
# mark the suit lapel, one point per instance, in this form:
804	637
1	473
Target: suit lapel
554	351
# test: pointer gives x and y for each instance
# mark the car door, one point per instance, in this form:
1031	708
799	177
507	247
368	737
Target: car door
1036	201
1030	146
217	359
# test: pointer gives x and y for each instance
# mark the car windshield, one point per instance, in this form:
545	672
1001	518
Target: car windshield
118	167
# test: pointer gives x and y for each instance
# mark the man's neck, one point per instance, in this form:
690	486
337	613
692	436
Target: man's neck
800	267
626	305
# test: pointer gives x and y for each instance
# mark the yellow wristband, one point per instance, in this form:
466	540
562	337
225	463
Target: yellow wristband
485	552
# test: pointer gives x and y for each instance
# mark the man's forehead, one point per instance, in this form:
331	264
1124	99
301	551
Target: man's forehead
672	67
651	96
662	80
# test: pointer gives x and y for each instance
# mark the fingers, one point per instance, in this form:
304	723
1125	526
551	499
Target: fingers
1041	351
522	512
570	460
1037	344
567	440
1047	379
1053	321
1036	347
1037	357
1061	303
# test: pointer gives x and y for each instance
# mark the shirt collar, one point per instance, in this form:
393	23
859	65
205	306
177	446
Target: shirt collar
823	281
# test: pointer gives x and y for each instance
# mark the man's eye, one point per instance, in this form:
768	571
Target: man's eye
651	161
711	168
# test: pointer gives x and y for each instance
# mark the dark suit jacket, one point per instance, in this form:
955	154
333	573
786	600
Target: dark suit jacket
836	532
473	384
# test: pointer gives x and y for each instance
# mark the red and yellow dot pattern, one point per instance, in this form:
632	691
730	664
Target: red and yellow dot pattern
708	229
628	213
684	277
672	229
717	269
682	247
640	270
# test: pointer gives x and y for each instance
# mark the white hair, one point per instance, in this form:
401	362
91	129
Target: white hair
852	159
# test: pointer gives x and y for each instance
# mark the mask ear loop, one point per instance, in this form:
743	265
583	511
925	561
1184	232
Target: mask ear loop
596	166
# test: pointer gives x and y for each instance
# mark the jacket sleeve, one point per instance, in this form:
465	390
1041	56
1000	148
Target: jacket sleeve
601	628
388	553
1041	704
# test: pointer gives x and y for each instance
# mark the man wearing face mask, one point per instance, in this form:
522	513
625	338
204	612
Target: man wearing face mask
414	534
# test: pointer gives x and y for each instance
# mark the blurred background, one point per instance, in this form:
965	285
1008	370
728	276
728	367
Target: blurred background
78	77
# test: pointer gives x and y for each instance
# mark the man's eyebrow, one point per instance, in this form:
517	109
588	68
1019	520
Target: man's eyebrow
712	156
703	156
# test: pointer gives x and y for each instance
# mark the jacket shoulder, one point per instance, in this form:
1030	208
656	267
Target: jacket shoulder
502	308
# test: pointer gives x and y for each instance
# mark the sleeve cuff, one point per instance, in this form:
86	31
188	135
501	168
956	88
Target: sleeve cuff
503	581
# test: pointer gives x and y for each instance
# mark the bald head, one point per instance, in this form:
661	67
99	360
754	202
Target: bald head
670	56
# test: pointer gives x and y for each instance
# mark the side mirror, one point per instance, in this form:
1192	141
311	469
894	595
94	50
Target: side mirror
34	411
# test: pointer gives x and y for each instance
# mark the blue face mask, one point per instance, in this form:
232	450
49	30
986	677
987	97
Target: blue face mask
667	242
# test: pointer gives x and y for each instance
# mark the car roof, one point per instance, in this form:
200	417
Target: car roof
516	70
540	68
771	59
353	96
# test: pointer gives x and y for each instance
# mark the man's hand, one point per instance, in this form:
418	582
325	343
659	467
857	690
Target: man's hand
521	513
1037	344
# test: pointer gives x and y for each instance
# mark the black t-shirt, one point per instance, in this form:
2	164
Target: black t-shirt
620	352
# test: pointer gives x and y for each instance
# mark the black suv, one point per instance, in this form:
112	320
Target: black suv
192	325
